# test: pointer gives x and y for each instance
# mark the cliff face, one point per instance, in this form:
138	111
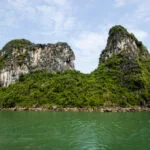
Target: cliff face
121	79
21	57
125	60
122	42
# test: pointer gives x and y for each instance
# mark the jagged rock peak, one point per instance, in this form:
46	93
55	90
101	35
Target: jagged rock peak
121	41
21	56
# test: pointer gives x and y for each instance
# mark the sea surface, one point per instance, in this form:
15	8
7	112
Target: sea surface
74	131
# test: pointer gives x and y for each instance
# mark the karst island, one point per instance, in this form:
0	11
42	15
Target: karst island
43	76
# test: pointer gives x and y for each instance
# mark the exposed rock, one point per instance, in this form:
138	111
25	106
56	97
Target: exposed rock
120	41
104	109
20	57
54	107
124	57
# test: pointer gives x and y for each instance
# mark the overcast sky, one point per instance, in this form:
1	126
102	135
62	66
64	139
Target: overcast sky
83	24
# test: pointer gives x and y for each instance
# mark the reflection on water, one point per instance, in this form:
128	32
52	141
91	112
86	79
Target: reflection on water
74	131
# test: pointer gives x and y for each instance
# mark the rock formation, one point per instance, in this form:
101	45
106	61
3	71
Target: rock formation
21	57
121	78
126	59
120	41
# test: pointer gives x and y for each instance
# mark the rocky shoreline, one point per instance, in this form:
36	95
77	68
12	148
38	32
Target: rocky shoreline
100	109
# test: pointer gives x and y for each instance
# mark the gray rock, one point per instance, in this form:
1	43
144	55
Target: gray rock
54	107
51	58
120	41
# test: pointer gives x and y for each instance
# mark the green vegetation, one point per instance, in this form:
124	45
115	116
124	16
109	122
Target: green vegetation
110	85
117	29
7	50
119	81
17	43
123	32
117	34
128	80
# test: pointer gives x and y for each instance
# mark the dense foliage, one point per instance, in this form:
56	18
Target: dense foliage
120	81
18	43
110	85
7	50
118	29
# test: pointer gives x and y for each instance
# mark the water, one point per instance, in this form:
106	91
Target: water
74	131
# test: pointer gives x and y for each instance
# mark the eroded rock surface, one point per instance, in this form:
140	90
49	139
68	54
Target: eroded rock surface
120	41
21	57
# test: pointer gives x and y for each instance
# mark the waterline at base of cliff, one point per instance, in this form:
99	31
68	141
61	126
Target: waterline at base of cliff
75	109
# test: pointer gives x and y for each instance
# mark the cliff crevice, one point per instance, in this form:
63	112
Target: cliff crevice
20	57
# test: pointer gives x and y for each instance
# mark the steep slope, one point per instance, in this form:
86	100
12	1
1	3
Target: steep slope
126	63
121	79
21	57
122	42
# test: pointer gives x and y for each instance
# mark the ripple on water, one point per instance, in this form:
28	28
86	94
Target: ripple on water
74	131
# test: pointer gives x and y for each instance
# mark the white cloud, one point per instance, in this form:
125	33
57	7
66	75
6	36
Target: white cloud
89	41
142	11
119	3
90	3
59	20
18	4
136	18
59	2
139	11
53	15
141	35
87	47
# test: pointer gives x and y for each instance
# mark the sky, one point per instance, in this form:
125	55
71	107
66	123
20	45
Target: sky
83	24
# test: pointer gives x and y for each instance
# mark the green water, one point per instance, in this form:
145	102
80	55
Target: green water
74	131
